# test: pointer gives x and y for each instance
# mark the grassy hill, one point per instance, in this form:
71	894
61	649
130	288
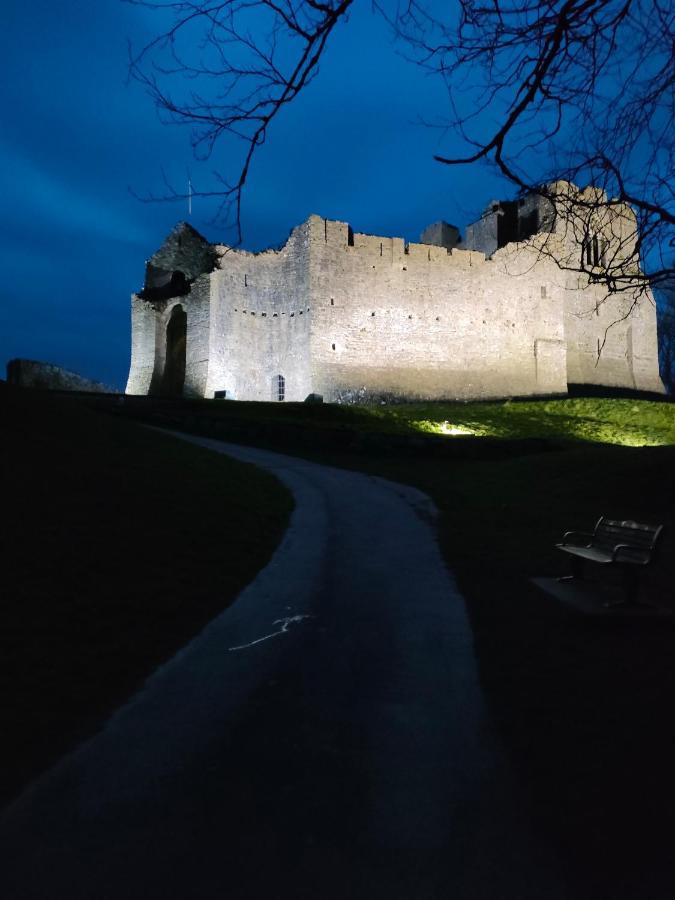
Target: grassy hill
119	544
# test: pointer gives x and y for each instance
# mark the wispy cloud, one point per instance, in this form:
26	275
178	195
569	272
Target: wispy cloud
42	199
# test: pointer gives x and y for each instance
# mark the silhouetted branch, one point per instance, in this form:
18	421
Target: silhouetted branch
247	60
578	91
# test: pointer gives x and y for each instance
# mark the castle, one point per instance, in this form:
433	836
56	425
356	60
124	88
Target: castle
359	318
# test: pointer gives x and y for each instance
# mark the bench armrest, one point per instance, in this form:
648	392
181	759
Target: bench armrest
577	534
619	547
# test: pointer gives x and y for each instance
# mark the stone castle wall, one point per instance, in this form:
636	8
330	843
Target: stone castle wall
416	321
260	322
357	317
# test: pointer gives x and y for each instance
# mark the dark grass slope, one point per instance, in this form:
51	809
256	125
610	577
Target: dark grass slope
584	706
118	545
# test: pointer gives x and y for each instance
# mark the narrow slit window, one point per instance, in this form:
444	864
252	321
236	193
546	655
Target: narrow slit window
279	388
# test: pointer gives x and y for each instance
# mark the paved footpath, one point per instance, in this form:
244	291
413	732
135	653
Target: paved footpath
324	737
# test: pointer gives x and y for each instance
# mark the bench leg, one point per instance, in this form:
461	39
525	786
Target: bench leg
577	570
630	587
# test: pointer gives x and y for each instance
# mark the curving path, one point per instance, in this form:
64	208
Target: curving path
324	737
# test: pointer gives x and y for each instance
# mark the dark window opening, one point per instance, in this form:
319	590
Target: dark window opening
528	225
163	285
350	236
279	388
333	346
220	395
332	302
507	223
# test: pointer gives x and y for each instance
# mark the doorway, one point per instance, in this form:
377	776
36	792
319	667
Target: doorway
173	378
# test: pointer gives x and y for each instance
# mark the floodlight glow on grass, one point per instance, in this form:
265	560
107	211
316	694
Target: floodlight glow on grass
447	428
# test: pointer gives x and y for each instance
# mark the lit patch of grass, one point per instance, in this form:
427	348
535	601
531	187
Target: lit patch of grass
629	423
448	428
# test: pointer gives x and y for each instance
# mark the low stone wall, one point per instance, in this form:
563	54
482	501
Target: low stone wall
30	373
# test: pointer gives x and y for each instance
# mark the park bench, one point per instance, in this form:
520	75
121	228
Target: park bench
626	544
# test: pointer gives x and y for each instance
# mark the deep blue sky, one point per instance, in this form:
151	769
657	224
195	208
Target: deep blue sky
76	136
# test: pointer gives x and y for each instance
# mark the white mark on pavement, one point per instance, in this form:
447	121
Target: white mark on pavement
285	625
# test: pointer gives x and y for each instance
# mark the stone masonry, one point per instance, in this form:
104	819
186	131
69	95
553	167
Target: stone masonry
360	318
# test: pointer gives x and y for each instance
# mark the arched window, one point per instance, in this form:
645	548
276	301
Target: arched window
279	388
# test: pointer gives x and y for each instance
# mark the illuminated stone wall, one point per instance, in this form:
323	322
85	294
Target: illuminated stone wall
358	317
416	321
260	322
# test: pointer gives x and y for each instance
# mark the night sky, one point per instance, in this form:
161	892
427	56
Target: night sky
78	139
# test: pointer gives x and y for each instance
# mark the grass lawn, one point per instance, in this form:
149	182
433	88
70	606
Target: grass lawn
584	707
119	544
624	422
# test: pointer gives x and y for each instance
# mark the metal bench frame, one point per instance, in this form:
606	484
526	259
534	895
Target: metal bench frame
624	543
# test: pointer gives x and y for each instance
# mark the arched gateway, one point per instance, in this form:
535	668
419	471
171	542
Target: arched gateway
174	365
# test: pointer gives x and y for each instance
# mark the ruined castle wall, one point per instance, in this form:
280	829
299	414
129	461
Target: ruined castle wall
611	339
197	305
260	323
418	322
644	345
143	346
482	234
186	251
148	340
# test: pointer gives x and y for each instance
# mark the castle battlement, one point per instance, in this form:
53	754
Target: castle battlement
354	316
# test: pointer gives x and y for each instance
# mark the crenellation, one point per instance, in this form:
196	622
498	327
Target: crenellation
352	315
